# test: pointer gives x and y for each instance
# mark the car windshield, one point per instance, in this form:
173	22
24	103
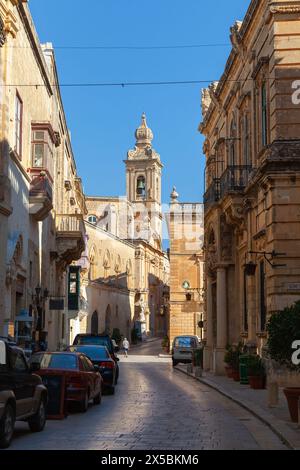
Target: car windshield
95	354
96	340
185	342
55	361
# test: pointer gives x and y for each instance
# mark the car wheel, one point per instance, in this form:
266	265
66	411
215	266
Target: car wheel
117	376
98	398
7	425
84	404
37	422
174	363
111	390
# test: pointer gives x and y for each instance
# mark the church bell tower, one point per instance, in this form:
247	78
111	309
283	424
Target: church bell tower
143	186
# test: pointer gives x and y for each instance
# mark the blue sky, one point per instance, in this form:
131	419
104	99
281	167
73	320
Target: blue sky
103	120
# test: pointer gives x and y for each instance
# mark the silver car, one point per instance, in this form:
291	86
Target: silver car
183	349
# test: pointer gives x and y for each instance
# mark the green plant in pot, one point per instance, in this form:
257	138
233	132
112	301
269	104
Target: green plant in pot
228	360
231	358
283	330
198	358
256	372
165	344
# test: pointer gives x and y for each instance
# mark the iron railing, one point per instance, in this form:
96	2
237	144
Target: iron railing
234	178
212	194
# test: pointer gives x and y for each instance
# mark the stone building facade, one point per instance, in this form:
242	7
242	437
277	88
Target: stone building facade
251	122
186	232
127	282
42	205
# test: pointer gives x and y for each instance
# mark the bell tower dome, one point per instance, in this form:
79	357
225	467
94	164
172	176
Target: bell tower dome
143	184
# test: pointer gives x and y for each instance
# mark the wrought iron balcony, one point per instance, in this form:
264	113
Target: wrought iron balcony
70	237
40	196
234	179
212	195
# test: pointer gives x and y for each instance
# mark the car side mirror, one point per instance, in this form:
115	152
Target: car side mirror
35	367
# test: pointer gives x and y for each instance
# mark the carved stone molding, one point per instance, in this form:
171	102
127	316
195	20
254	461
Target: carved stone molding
284	9
2	33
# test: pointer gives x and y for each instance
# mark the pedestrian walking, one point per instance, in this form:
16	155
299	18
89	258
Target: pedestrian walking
126	346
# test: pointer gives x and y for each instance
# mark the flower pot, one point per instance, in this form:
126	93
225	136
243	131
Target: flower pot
293	396
236	375
257	382
228	371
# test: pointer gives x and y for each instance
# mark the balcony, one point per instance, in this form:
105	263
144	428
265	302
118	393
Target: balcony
212	195
234	179
70	237
40	196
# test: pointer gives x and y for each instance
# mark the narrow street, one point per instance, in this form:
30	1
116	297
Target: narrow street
154	408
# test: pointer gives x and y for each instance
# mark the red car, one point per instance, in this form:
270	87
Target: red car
83	380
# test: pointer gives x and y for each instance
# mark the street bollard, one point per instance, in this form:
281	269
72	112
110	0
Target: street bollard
190	368
198	372
273	394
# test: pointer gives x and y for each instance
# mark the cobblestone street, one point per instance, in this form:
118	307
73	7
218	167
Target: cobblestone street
154	408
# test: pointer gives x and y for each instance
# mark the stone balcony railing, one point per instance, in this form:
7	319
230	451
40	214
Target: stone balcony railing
70	237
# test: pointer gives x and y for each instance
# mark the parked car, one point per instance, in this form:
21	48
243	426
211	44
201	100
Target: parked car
23	397
183	349
99	356
83	379
98	340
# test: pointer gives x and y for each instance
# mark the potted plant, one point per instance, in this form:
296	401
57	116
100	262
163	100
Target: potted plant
228	360
256	372
165	344
232	357
283	330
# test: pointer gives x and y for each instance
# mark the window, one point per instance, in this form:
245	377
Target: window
141	186
262	296
232	150
245	319
18	126
17	362
264	115
246	137
42	149
92	219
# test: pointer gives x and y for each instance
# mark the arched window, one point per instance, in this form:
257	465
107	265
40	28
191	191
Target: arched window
246	141
232	149
92	219
264	115
108	320
141	186
95	324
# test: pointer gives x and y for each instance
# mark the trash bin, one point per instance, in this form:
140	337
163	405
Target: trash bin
244	362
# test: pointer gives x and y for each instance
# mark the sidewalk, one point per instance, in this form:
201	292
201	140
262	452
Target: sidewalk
255	401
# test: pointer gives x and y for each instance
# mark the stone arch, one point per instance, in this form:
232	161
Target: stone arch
118	264
106	262
108	320
92	259
18	253
95	323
